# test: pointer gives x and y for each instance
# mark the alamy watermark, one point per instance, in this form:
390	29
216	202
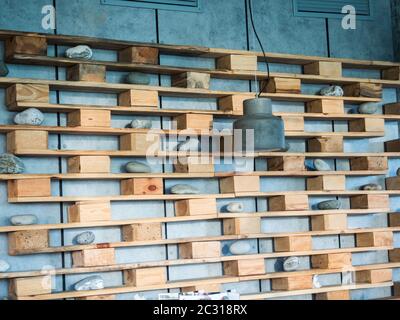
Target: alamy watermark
49	18
350	19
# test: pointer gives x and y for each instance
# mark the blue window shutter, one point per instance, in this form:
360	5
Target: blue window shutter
177	5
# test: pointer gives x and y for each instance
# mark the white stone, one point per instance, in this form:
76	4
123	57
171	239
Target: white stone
321	165
240	247
184	189
315	281
192	145
79	52
90	283
4	266
235	207
140	124
24	220
30	117
332	91
291	264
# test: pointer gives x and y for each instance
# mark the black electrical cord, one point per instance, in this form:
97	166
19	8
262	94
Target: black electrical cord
248	2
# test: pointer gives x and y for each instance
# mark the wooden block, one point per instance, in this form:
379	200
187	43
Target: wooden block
327	183
97	298
394	219
283	85
394	255
392	108
29	45
145	277
239	226
138	98
374	276
370	201
333	295
89	164
392	73
392	146
27	93
207	287
370	90
194	121
238	184
397	289
237	62
292	283
331	260
393	183
142	232
290	163
329	222
288	203
325	144
194	165
145	55
31	286
193	80
194	207
367	125
89	118
137	186
140	142
375	239
93	257
293	243
232	103
22	140
293	123
199	250
89	211
29	188
325	106
87	72
28	241
244	267
324	68
369	163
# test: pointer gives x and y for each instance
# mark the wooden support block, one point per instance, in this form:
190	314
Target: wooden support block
29	45
194	121
288	203
324	68
329	222
331	260
327	183
207	287
375	239
193	80
239	226
367	125
195	207
392	108
145	55
27	241
238	184
199	250
290	163
333	295
22	140
142	232
194	165
244	267
27	93
370	201
292	283
374	276
29	188
293	123
137	186
89	164
293	243
237	62
283	85
396	289
97	298
369	163
392	146
140	142
23	287
232	103
87	72
89	211
393	183
394	219
138	98
325	144
93	257
394	255
145	277
392	73
370	90
325	106
89	118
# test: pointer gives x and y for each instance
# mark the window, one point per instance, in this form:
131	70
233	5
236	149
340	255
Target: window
176	5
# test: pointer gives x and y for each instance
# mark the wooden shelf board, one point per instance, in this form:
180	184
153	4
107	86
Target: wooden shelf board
338	117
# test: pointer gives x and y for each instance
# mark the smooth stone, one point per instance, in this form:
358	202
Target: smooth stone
240	247
86	237
90	283
137	167
3	69
4	266
10	164
321	165
184	189
368	108
235	207
291	264
372	187
332	91
315	281
138	78
329	205
24	220
79	52
189	145
140	124
31	116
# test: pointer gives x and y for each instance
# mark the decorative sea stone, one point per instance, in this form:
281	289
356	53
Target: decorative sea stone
137	167
332	91
329	205
235	207
184	189
4	266
140	124
90	283
240	247
30	117
79	52
368	108
321	165
86	237
189	145
3	69
371	187
315	282
24	220
291	264
138	78
10	164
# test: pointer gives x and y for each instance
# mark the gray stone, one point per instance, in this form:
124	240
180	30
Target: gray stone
240	247
79	52
4	266
140	124
321	165
137	167
235	207
184	189
372	187
90	283
10	164
138	78
368	108
291	264
86	237
192	145
329	205
30	117
332	91
24	220
3	69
